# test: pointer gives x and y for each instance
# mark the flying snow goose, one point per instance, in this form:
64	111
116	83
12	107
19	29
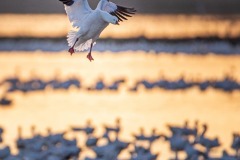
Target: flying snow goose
90	23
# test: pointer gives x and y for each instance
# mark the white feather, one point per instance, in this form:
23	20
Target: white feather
109	7
84	46
77	12
72	37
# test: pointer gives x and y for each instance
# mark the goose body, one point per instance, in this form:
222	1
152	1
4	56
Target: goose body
90	23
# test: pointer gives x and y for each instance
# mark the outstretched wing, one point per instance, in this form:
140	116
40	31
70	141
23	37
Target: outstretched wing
77	10
119	11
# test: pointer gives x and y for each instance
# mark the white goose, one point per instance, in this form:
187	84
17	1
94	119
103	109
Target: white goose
90	23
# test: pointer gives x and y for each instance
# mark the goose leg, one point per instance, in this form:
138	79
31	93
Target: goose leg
71	50
89	56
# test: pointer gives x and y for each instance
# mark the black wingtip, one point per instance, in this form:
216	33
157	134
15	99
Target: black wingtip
67	2
114	14
123	12
126	9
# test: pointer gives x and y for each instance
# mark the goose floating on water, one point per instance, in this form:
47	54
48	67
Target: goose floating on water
91	22
206	142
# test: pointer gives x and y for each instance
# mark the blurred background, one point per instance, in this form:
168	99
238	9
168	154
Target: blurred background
175	61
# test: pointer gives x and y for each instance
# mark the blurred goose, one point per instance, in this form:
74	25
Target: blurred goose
141	136
88	129
147	156
227	156
177	143
206	142
55	138
111	150
154	136
236	143
185	130
104	151
115	129
140	149
142	153
4	101
91	141
91	22
1	132
4	152
192	152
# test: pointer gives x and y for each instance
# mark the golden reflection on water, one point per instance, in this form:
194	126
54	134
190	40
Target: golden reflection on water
133	65
150	26
156	108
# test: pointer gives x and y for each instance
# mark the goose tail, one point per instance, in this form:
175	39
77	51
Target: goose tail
80	45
